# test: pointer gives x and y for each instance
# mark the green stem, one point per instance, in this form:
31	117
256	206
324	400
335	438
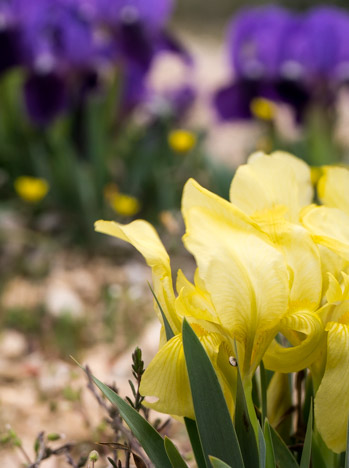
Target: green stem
250	406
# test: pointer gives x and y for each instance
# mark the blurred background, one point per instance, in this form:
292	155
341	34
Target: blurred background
107	107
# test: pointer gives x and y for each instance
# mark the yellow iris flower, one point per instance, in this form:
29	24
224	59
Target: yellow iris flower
251	283
285	194
166	378
264	262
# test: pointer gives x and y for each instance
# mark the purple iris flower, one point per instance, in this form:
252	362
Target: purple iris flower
285	57
60	42
45	96
10	39
254	40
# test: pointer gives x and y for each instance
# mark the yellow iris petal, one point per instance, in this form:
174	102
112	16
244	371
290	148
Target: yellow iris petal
303	262
166	377
328	227
145	239
296	325
267	182
333	188
167	380
331	263
244	274
332	398
279	400
194	301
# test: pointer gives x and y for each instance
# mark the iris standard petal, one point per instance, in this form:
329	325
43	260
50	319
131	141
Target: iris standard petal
244	274
303	262
268	182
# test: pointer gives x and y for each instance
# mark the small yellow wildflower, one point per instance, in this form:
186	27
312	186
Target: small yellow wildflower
124	205
181	141
262	108
31	189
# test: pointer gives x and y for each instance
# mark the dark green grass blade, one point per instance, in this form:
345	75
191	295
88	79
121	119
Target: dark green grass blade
173	454
217	463
168	329
193	434
306	453
244	428
263	391
283	457
148	437
347	451
262	448
215	427
270	455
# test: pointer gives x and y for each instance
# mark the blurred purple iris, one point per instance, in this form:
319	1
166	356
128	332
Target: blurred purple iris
285	57
58	43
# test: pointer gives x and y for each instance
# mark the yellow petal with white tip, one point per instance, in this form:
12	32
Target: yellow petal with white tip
166	378
145	239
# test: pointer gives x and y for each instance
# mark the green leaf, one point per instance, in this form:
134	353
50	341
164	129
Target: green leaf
270	455
215	427
262	448
322	456
244	428
306	453
193	434
347	451
217	463
148	437
263	391
168	329
173	454
283	457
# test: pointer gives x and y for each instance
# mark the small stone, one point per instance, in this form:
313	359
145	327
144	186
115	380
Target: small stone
60	299
12	344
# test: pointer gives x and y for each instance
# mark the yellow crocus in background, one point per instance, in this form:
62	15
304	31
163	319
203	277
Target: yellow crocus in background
31	189
263	108
181	141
